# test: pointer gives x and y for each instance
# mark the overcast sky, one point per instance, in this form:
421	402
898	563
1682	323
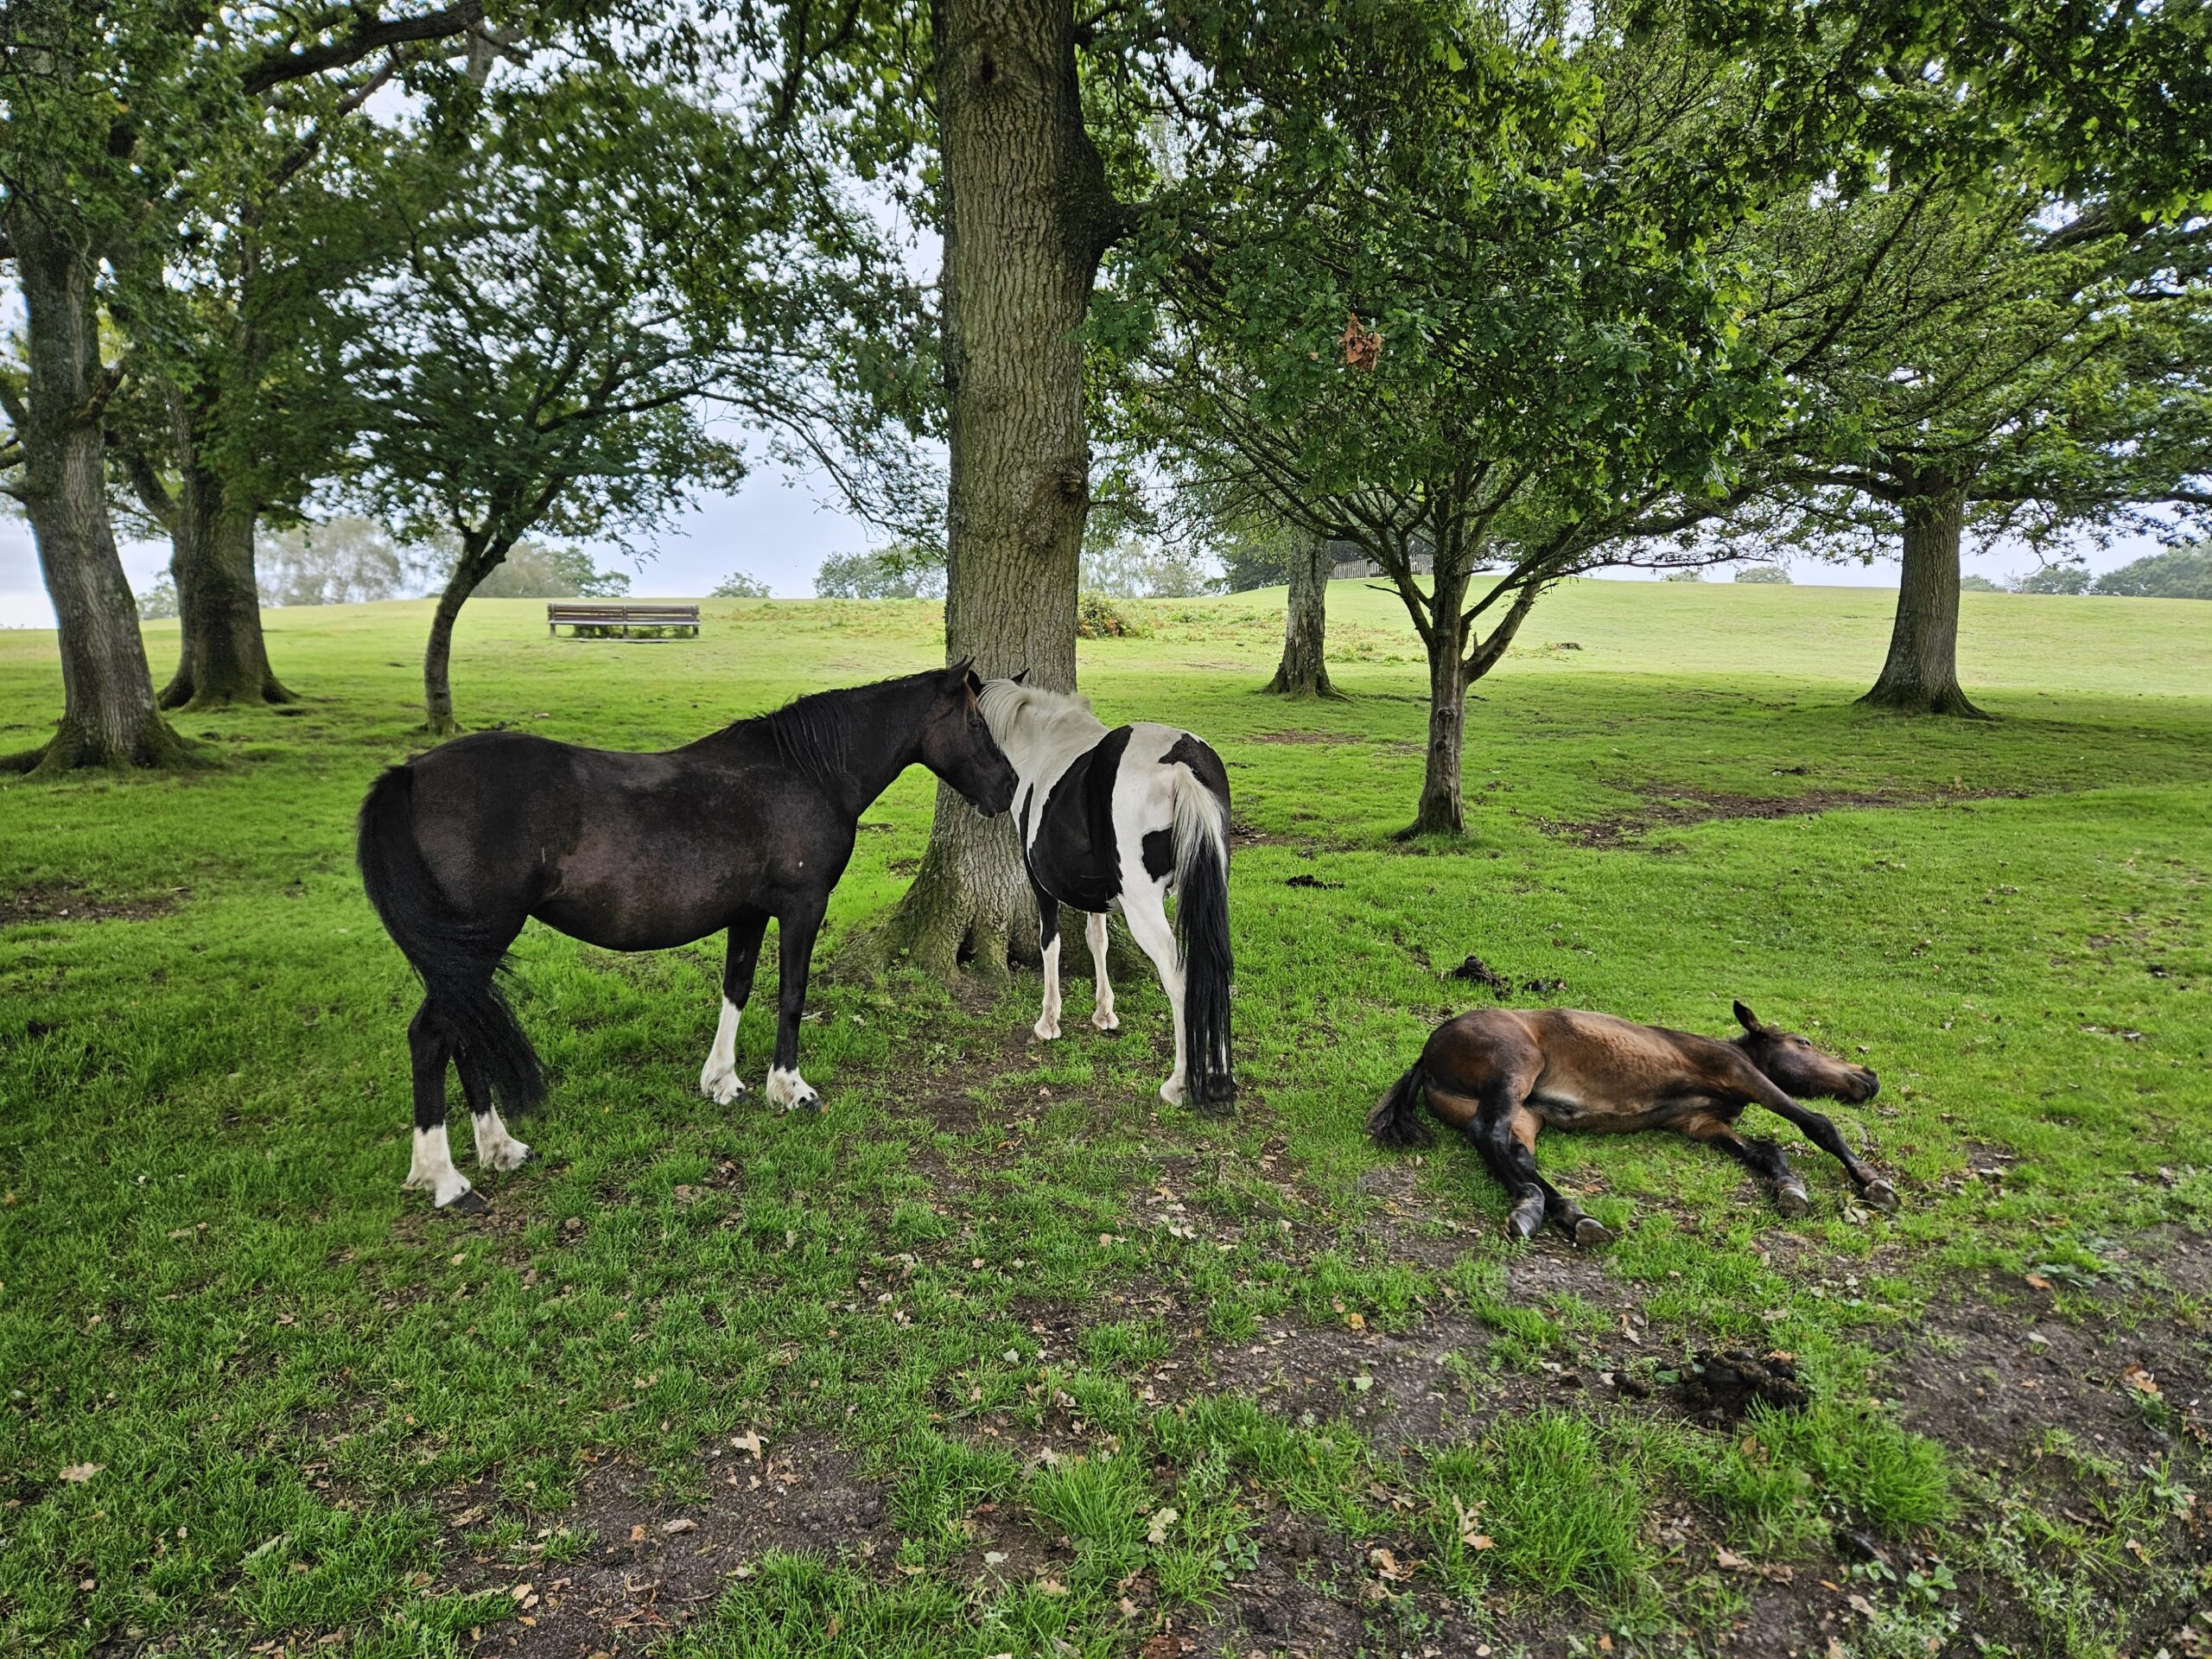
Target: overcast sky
778	528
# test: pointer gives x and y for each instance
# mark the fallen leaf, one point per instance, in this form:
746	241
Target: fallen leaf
2036	1281
522	1592
672	1528
1162	1520
77	1474
748	1441
1386	1565
2141	1380
1730	1561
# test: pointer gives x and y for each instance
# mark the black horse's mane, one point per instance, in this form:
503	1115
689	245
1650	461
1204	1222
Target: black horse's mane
812	734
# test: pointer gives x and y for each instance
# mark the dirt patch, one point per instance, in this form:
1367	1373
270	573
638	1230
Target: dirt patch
43	903
653	1565
1680	804
1330	740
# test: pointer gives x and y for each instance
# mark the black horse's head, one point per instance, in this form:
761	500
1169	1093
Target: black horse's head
1798	1068
958	747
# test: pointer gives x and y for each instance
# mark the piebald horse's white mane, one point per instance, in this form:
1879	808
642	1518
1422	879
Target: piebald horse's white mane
1040	731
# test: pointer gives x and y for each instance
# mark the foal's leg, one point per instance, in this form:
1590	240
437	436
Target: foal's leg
1146	910
718	1078
1823	1134
1048	942
495	1147
1762	1158
795	951
1517	1167
1094	931
429	1046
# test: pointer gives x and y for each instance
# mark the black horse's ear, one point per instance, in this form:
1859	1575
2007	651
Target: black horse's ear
1021	678
974	684
1746	1018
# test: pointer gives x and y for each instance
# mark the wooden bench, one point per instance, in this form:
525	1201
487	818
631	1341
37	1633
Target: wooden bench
624	616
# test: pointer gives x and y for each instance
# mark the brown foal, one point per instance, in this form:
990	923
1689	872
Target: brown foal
1498	1074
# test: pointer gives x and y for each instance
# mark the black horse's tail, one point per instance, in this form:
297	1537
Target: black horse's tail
1396	1120
1201	841
458	956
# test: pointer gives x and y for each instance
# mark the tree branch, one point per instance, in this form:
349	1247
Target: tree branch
364	39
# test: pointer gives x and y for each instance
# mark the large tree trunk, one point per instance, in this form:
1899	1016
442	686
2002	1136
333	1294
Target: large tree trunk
218	603
108	713
1027	217
1303	673
1440	811
1922	673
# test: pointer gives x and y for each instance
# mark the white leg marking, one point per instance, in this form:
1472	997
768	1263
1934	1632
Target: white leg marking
718	1078
1094	930
495	1147
788	1090
1048	1021
1146	914
433	1167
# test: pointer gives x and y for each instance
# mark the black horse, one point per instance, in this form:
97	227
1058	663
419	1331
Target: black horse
637	852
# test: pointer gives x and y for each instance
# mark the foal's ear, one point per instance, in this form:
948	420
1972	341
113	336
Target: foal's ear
1746	1018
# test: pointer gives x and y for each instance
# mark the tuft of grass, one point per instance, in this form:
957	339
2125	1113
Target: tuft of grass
1562	1510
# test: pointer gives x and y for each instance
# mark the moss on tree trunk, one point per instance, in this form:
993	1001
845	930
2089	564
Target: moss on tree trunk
225	659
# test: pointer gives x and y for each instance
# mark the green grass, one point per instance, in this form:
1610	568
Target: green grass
290	1374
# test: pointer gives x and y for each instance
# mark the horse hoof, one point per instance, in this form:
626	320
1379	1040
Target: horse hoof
508	1155
1880	1194
1591	1230
1521	1226
721	1089
1105	1022
469	1203
1792	1201
1044	1032
1171	1093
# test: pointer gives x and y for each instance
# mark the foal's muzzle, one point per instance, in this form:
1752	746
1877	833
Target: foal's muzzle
1869	1086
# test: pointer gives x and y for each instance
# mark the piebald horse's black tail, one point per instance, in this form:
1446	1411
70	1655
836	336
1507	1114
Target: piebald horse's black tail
458	956
1201	839
1396	1120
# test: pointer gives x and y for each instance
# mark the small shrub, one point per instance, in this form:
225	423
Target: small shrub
158	601
739	584
1764	573
1097	617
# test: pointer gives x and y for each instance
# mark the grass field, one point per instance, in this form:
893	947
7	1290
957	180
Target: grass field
1000	1355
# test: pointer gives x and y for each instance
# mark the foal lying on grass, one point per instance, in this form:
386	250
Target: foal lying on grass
1498	1074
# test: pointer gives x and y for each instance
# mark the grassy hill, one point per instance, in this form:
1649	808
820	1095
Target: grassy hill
1038	1365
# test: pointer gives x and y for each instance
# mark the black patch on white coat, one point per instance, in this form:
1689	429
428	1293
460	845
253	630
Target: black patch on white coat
1195	753
1072	853
1160	853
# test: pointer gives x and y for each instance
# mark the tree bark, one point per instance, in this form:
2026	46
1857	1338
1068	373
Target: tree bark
1440	811
1921	676
1027	215
108	714
437	654
1303	672
225	659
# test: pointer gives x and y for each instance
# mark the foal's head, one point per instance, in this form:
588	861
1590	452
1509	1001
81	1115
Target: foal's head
1798	1068
958	747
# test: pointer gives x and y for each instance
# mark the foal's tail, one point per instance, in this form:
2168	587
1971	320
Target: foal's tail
1396	1120
1201	840
458	956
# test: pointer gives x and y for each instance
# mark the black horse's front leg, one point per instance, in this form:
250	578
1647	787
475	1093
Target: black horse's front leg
796	955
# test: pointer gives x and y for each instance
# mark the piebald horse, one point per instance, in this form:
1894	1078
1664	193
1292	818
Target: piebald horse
1119	817
459	847
1498	1074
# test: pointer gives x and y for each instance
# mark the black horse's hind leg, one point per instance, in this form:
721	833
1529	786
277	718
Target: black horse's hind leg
1762	1158
794	952
430	1045
718	1078
495	1147
1823	1133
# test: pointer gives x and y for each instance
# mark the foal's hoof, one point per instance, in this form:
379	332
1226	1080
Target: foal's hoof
470	1203
1521	1226
1880	1194
1588	1230
1792	1201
